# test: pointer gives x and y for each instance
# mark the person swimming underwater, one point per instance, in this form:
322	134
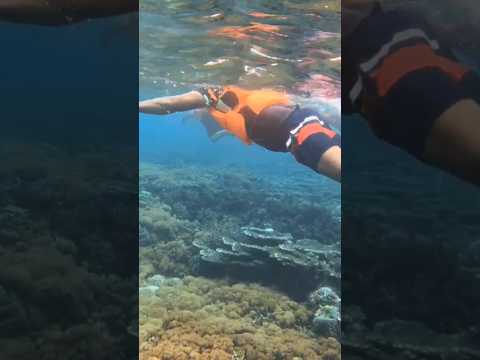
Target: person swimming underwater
62	12
409	87
265	117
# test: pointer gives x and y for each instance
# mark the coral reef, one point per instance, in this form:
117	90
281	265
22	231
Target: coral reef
164	239
196	318
160	224
197	204
184	209
192	224
409	244
400	339
65	245
204	195
405	244
173	258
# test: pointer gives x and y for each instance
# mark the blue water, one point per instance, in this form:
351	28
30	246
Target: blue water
179	139
55	81
68	98
176	43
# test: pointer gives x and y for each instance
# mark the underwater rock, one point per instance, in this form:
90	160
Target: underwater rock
327	318
326	321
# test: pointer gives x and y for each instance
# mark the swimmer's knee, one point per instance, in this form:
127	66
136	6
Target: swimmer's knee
311	142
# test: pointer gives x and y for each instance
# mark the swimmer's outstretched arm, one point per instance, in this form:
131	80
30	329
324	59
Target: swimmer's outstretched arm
454	141
62	12
170	104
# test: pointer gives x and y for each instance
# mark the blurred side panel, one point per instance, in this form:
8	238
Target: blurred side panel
68	190
410	230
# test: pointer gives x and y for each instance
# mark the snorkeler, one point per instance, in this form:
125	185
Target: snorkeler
411	90
62	12
265	117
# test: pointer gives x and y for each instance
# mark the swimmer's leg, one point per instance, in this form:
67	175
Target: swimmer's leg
454	144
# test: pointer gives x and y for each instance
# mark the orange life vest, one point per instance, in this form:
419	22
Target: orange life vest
249	103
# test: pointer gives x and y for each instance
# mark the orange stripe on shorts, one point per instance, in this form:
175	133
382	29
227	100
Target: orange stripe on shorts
412	58
311	129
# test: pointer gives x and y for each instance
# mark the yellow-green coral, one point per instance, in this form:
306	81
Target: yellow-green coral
206	319
161	223
171	259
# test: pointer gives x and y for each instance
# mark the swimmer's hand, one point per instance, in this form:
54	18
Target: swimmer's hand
172	104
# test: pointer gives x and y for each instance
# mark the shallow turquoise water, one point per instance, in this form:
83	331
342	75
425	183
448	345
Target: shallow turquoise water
184	44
